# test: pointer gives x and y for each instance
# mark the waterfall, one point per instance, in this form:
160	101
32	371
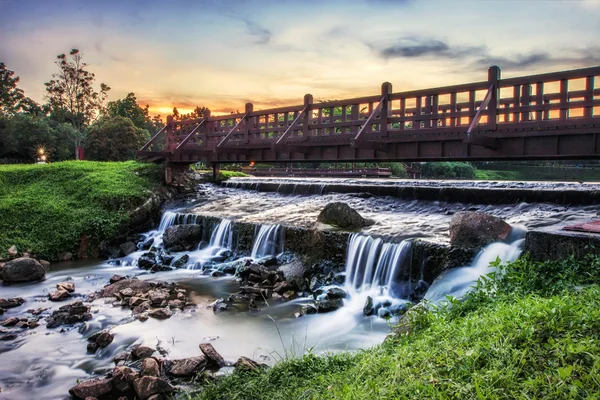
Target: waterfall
269	241
222	236
459	281
168	218
372	265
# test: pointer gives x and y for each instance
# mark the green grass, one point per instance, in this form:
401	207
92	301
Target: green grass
45	209
532	173
532	333
224	175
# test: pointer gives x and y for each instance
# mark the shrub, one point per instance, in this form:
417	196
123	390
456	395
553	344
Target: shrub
114	139
448	170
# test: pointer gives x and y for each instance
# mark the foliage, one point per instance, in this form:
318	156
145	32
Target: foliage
539	173
23	134
46	209
128	107
447	170
12	98
71	95
530	331
398	169
114	139
198	112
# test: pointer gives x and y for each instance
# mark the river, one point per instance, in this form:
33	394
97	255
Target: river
45	363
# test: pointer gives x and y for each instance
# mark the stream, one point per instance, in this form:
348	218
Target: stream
45	363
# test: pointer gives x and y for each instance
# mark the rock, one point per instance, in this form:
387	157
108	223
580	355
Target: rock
186	236
369	308
336	293
341	215
384	313
289	295
92	347
59	295
136	301
8	336
282	287
122	356
267	261
104	339
97	387
218	305
11	321
212	355
147	244
12	251
45	264
22	270
476	229
160	313
123	378
127	292
11	303
399	309
143	307
149	367
65	256
68	286
150	385
180	261
141	352
246	364
294	273
116	278
146	262
136	285
158	296
328	304
127	248
187	367
315	283
309	309
69	314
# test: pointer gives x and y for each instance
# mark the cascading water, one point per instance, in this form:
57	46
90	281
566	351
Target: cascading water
168	219
459	281
221	241
268	241
222	236
373	265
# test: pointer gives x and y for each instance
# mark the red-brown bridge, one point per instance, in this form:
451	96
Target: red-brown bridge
547	116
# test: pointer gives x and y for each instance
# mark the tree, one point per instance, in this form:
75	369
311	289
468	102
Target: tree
128	107
12	98
71	95
114	139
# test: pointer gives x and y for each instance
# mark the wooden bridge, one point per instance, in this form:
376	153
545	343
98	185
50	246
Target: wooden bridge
547	116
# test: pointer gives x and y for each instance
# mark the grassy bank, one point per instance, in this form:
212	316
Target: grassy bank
533	173
532	333
45	209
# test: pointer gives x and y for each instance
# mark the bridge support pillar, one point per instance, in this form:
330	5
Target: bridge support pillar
216	168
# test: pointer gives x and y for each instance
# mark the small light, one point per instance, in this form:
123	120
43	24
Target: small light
43	157
41	151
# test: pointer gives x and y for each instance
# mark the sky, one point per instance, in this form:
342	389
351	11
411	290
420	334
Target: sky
223	54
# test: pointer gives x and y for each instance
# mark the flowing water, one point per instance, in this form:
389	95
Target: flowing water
45	363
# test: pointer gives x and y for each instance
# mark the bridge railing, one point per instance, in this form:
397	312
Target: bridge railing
491	106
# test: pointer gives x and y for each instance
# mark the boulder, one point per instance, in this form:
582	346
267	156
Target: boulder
141	352
473	229
150	385
187	367
336	293
45	264
146	261
68	286
158	296
294	273
22	270
104	339
69	314
149	367
384	313
160	313
186	236
212	355
135	284
267	261
11	303
341	215
97	387
59	295
65	256
127	248
11	321
116	278
180	261
246	364
282	287
369	308
123	378
122	356
328	304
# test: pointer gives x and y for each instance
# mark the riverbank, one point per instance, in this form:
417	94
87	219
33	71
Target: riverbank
49	210
531	333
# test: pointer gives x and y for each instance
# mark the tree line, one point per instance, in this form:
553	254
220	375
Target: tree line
75	120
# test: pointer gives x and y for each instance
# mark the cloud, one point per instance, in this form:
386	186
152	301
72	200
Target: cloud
263	35
418	46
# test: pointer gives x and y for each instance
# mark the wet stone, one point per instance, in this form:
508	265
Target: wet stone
213	356
246	364
11	303
151	385
68	286
142	352
59	295
160	313
187	367
92	388
150	367
115	278
12	321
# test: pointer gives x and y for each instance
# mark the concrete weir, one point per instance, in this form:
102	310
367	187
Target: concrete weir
558	244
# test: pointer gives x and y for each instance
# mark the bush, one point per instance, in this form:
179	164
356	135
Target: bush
114	139
447	170
398	169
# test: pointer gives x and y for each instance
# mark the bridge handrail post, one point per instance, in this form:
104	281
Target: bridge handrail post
249	110
494	76
308	102
386	108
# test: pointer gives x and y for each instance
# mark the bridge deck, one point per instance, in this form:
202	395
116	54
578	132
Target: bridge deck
547	116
